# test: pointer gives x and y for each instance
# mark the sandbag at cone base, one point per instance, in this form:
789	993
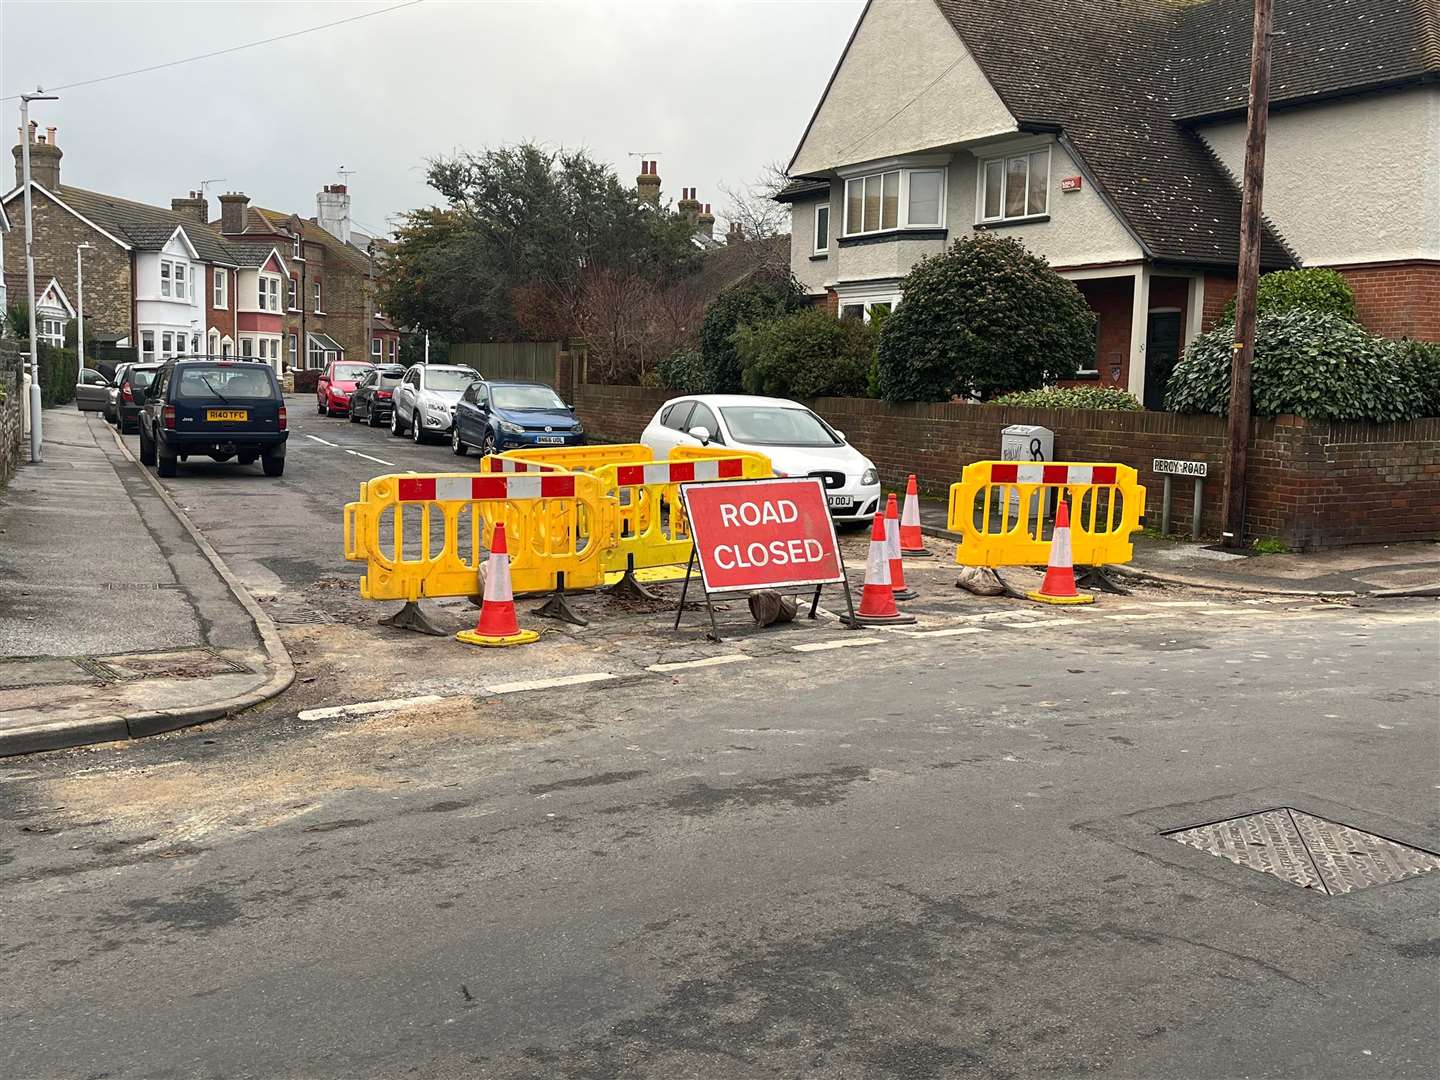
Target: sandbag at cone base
912	540
877	600
1059	584
898	588
497	625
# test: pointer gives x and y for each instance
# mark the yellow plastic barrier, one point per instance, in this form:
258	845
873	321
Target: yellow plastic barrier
584	458
1106	502
439	527
757	465
651	525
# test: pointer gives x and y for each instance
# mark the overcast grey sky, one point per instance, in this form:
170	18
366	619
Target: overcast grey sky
716	88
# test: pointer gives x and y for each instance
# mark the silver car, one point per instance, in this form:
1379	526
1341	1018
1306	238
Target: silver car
92	392
424	402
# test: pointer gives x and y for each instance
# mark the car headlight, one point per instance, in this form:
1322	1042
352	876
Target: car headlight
869	476
578	429
511	429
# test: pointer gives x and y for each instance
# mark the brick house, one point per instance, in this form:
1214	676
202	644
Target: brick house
329	286
160	280
1107	136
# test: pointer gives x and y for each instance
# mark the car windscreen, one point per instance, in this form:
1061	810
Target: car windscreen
770	425
526	397
350	372
388	379
141	377
448	380
238	381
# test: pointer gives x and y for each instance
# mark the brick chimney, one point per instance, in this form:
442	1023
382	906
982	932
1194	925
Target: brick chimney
234	213
332	211
648	183
45	155
192	209
689	206
706	223
735	234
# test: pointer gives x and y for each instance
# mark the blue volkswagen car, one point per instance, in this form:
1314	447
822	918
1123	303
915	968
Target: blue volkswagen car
494	416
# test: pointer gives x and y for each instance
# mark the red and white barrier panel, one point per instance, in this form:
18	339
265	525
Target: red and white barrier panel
514	465
679	472
1014	472
482	488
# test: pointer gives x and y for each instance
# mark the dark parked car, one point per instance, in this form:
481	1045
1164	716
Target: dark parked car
374	395
218	408
499	416
131	382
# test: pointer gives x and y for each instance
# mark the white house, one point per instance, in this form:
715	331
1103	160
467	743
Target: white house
170	299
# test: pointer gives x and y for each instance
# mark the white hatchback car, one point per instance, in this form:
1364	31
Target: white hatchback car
797	442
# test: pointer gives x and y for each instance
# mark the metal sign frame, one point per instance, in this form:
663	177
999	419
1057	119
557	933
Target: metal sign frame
714	632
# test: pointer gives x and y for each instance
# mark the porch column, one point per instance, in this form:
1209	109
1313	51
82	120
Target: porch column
1139	327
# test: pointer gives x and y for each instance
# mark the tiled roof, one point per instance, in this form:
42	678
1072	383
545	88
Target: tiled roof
1106	73
145	227
1320	48
801	187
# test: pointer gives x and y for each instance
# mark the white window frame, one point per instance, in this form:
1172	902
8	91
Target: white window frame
147	345
292	293
167	345
268	292
318	309
1004	162
247	347
220	289
815	230
297	251
294	349
50	328
182	279
902	209
394	348
180	349
314	354
377	347
213	344
165	285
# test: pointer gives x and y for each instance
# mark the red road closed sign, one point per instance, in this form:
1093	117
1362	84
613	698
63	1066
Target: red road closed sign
762	534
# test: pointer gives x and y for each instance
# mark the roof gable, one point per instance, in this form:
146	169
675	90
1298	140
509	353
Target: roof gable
272	264
905	82
53	295
40	189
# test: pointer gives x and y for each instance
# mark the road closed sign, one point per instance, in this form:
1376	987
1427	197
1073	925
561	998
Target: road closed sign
762	534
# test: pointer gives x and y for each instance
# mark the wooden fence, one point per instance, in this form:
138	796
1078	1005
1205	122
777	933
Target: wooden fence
533	360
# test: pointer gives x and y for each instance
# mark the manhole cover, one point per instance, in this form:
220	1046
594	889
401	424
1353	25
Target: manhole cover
1309	851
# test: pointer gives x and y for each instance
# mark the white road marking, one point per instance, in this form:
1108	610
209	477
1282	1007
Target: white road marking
545	684
367	457
367	708
1034	624
952	631
823	646
318	439
709	661
1132	616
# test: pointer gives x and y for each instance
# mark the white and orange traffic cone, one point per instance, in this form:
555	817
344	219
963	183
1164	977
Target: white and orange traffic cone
1059	584
877	600
898	588
912	540
497	625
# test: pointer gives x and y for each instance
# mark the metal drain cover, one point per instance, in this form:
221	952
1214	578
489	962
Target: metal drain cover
1309	851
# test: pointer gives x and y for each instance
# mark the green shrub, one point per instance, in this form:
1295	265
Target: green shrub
684	372
1314	365
1300	290
1421	362
751	302
58	372
1110	398
805	354
983	318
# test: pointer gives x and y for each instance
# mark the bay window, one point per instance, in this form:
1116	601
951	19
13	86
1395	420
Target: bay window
1015	187
147	344
891	200
180	284
269	299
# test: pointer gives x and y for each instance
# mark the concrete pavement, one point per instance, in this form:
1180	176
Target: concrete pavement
114	618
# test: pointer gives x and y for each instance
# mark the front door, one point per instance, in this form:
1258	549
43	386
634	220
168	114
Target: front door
1162	349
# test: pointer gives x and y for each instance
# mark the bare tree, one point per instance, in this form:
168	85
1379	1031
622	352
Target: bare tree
630	323
753	206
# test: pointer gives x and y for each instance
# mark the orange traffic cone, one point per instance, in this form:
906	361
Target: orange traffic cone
497	625
877	600
912	540
1059	584
898	588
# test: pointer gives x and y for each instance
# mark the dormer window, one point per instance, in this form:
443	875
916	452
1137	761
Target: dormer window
895	199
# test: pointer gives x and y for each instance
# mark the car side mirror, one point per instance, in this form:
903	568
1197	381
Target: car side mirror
701	433
841	436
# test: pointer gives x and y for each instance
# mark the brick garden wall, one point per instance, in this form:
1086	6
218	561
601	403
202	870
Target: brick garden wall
12	435
1312	484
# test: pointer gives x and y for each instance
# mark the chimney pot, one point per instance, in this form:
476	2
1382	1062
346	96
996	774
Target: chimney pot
50	131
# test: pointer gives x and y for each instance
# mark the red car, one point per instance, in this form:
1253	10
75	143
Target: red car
336	384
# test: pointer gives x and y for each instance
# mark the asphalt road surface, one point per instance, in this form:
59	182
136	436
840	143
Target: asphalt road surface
938	858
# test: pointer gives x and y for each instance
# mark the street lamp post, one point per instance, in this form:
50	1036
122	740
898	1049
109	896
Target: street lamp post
80	249
36	452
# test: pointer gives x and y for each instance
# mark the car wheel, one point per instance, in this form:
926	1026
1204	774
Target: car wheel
320	406
488	446
352	417
371	420
273	466
395	428
147	450
165	466
457	445
417	431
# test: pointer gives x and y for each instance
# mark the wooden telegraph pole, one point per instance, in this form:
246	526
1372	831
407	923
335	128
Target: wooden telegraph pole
1248	271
